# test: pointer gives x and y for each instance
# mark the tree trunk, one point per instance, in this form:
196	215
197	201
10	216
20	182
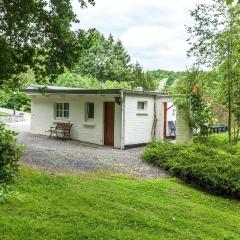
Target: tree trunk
229	76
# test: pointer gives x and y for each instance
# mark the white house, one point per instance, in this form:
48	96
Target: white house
113	117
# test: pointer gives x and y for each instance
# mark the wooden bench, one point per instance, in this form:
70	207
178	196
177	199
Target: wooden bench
61	130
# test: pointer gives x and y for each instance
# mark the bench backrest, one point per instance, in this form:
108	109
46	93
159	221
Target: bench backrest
64	126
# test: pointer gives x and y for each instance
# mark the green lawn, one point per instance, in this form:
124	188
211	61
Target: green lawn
108	206
3	114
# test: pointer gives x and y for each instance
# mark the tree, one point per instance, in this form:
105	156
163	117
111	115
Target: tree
214	41
171	76
72	79
139	78
37	34
160	74
104	59
193	102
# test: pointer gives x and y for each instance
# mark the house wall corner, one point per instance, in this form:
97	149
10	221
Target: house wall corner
183	131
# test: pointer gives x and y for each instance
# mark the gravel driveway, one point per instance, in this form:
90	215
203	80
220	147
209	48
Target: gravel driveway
59	155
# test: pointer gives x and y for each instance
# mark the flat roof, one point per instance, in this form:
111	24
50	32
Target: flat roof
40	89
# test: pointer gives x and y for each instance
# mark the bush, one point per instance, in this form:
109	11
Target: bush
214	167
10	152
220	140
21	101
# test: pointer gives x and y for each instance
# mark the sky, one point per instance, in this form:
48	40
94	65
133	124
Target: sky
152	31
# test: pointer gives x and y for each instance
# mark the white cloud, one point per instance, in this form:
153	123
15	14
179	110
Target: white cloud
153	31
146	36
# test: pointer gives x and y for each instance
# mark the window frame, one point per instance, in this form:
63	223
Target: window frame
144	109
87	112
60	109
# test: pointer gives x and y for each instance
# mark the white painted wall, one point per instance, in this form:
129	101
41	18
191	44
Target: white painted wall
137	129
183	131
42	117
138	126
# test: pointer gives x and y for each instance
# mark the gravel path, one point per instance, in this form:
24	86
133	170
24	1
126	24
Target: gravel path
58	155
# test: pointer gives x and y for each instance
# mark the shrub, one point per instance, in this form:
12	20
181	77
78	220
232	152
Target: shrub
21	100
214	169
220	140
10	152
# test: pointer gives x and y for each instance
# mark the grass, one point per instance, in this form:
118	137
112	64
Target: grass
107	206
3	114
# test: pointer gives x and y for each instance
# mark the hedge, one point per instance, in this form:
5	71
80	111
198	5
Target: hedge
212	165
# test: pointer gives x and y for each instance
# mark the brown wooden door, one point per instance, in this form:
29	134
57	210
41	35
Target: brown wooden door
109	114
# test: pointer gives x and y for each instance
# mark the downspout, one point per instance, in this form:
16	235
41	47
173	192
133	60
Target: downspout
122	120
155	120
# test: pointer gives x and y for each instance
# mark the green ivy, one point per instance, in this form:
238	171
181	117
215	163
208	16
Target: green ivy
193	103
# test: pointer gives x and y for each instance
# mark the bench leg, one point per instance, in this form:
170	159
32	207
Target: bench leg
50	135
52	132
57	135
69	135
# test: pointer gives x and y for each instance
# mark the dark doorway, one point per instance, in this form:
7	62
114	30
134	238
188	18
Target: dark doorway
109	114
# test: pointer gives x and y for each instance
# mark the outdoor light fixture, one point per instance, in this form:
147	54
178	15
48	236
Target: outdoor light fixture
118	100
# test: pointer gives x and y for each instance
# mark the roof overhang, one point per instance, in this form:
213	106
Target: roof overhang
72	91
51	90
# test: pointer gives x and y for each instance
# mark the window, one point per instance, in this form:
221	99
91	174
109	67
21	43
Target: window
89	112
62	110
142	106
